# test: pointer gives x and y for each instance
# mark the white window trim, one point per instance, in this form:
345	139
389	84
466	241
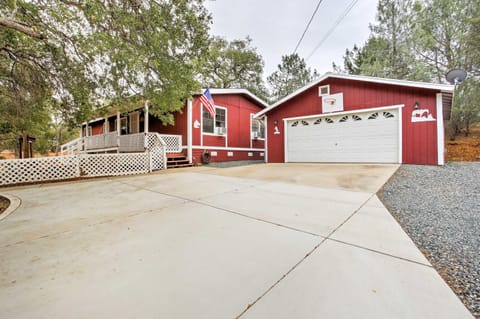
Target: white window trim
251	131
214	124
322	87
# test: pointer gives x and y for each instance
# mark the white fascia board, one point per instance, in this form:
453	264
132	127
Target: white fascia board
423	85
373	109
237	91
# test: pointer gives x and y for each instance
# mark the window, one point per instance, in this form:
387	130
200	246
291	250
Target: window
324	90
257	128
134	122
214	127
344	119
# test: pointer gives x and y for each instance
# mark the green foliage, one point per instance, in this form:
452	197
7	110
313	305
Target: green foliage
466	108
234	64
439	34
292	74
75	55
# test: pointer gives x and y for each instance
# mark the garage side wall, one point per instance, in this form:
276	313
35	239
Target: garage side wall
419	137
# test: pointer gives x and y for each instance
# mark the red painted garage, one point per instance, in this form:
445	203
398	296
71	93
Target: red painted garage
358	119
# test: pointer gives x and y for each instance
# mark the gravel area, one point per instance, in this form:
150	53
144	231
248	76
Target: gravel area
4	203
439	208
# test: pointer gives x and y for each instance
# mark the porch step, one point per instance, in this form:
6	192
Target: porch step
175	160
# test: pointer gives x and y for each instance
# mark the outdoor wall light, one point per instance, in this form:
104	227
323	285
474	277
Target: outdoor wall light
416	105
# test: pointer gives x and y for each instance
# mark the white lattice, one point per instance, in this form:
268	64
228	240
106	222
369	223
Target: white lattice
114	164
173	143
38	169
157	150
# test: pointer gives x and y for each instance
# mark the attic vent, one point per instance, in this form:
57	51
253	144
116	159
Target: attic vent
356	118
324	90
317	122
328	120
373	116
304	123
388	115
344	119
294	123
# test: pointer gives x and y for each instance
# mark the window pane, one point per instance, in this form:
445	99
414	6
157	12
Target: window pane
207	122
219	117
258	127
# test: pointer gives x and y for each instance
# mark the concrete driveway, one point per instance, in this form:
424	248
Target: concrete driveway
262	241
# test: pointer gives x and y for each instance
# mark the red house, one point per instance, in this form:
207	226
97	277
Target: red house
359	119
232	135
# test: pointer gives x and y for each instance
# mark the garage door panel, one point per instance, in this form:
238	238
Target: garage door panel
372	140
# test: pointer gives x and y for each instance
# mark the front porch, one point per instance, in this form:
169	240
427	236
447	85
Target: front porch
130	143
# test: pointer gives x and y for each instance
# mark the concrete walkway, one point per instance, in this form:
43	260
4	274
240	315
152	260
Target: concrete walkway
265	241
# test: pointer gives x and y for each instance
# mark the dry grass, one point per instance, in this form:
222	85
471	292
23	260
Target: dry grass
464	148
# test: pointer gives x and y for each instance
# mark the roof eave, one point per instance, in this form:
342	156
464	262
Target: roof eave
440	87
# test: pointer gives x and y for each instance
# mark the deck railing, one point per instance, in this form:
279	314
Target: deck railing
173	143
122	143
131	143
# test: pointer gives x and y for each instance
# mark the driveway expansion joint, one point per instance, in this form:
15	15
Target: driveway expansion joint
304	258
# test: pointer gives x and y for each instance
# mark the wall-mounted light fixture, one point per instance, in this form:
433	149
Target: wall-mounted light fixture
416	105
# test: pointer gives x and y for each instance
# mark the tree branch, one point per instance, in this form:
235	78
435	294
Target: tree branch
21	28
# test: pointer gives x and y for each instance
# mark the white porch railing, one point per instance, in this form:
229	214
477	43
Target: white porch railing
122	143
101	141
173	143
72	147
132	143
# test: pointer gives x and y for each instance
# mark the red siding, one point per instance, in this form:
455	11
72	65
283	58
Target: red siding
239	109
419	140
97	128
179	128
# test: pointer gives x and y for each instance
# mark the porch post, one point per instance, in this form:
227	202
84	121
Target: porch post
118	131
146	122
189	131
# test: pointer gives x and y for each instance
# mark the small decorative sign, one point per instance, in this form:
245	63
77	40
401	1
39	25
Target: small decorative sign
422	115
196	124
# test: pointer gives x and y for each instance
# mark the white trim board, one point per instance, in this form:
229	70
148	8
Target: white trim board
379	109
238	91
440	131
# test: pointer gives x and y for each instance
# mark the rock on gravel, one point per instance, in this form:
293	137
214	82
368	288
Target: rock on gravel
439	207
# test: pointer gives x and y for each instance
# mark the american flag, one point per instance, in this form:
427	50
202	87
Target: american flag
207	101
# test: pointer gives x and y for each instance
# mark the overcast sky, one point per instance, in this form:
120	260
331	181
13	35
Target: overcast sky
275	27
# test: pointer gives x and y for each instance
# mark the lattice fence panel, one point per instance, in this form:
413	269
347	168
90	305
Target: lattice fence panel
158	157
173	143
38	169
114	164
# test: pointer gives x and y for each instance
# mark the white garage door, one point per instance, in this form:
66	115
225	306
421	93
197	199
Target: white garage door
367	137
